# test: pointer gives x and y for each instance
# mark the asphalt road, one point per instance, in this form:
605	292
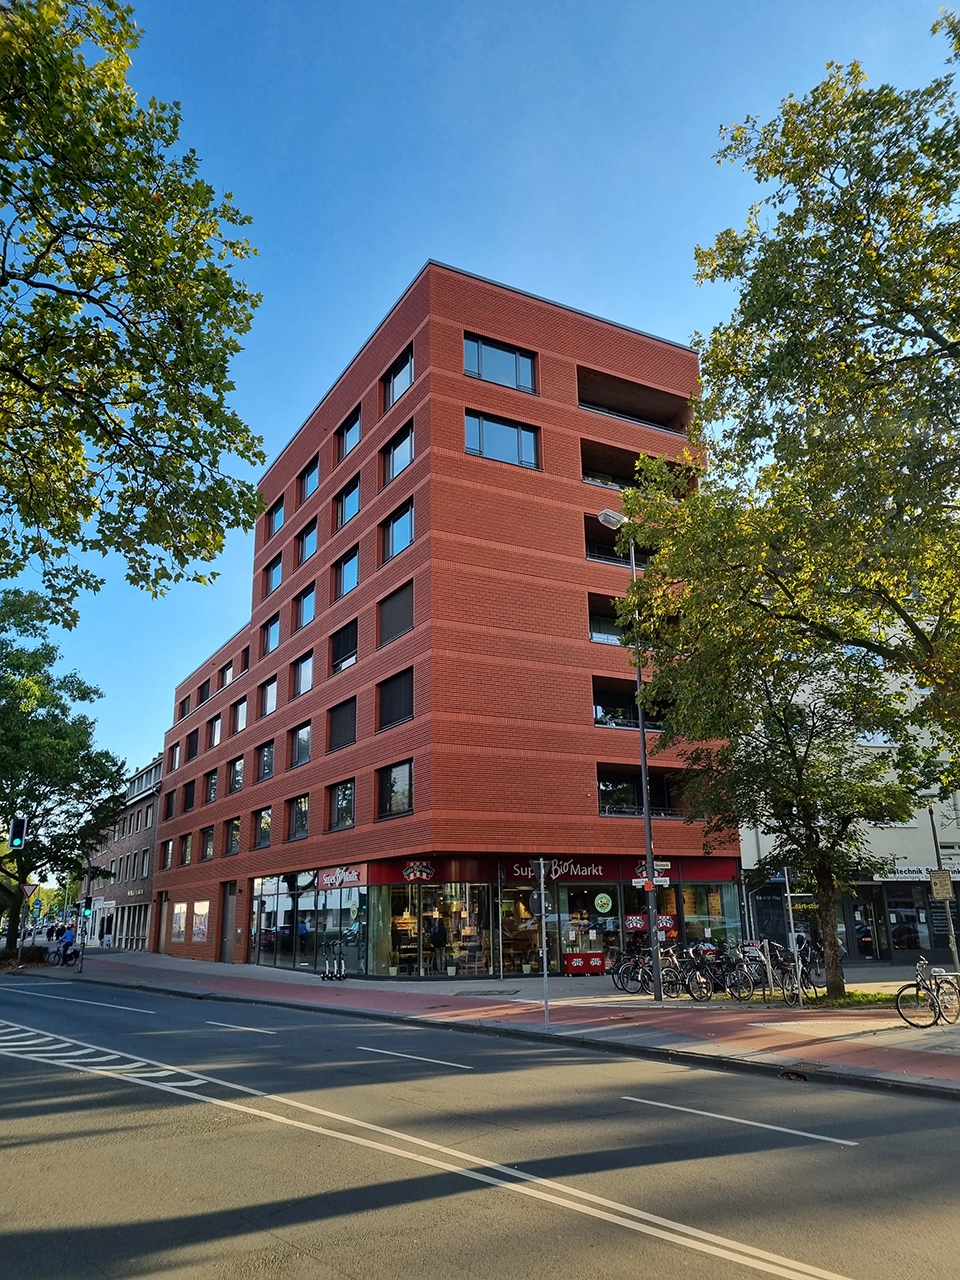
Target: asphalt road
146	1135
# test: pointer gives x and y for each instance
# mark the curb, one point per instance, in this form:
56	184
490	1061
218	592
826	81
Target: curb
801	1072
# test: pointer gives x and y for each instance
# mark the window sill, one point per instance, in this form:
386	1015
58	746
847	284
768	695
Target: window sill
347	826
389	817
395	724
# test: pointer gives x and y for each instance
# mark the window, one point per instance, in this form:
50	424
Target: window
148	816
270	635
235	774
395	699
299	814
144	864
113	867
341	805
502	441
245	658
178	924
343	647
604	630
347	503
268	697
226	675
307	542
201	921
397	532
265	762
342	725
275	518
303	675
396	789
206	844
272	576
620	795
348	436
395	614
309	479
231	836
189	795
184	707
398	454
305	607
261	827
299	745
238	716
193	744
397	379
139	818
186	850
175	757
166	855
210	787
346	573
169	805
213	731
496	363
203	693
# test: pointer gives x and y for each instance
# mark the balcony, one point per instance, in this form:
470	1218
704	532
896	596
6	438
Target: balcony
632	811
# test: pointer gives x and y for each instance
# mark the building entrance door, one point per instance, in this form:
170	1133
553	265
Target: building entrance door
869	926
228	920
162	934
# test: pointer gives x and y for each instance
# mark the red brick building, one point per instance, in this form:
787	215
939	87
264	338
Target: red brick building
430	694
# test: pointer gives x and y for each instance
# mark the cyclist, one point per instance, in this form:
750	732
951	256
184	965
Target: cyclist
66	942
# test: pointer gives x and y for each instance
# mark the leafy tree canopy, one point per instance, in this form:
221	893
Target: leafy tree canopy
119	314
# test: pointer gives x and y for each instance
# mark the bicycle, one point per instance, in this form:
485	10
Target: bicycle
928	1000
63	955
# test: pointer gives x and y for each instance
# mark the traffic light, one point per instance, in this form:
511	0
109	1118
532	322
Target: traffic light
18	833
87	908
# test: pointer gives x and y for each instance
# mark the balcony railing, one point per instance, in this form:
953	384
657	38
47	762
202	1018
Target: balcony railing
606	481
634	811
616	720
609	555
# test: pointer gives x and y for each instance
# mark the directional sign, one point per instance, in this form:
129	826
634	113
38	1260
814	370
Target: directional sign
663	881
661	866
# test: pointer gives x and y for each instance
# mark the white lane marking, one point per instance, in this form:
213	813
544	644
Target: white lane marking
233	1027
756	1124
101	1004
415	1056
647	1223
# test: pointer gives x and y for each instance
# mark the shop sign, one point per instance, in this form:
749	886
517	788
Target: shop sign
339	876
603	903
417	871
565	868
912	873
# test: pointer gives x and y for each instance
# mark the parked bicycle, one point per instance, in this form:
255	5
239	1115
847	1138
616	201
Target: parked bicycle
929	998
714	968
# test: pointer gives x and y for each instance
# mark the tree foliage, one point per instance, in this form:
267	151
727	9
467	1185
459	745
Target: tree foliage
51	771
119	314
831	399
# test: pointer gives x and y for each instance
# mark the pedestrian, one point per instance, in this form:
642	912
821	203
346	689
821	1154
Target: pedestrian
50	932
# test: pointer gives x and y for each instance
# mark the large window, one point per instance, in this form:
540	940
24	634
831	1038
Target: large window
396	790
261	827
346	573
272	576
398	454
621	795
303	675
397	379
342	725
348	436
494	362
309	479
395	614
275	518
395	699
307	542
502	441
300	745
397	532
268	696
341	805
305	607
343	647
270	634
265	762
299	814
347	502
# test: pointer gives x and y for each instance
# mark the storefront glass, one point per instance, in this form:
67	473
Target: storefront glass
635	916
286	918
711	912
306	936
907	917
520	932
590	920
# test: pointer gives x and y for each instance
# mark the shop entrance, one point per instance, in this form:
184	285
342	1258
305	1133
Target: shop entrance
869	931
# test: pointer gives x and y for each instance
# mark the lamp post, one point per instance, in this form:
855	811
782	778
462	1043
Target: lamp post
951	933
614	520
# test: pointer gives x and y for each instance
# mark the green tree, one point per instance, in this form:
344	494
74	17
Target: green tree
51	771
119	315
831	403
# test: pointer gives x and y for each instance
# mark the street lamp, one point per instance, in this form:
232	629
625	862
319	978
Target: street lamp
614	520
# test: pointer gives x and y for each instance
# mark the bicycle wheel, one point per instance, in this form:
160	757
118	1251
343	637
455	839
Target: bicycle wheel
788	987
646	979
817	973
53	957
631	980
917	1005
71	958
740	985
948	998
671	983
615	974
700	985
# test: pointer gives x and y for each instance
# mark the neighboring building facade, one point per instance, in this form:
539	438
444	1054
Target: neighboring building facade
430	694
123	891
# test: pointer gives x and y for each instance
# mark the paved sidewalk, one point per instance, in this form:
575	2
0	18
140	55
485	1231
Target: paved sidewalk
867	1047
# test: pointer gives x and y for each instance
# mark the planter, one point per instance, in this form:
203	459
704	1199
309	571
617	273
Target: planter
393	970
451	970
527	968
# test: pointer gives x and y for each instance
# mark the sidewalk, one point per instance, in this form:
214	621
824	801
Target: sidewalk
872	1048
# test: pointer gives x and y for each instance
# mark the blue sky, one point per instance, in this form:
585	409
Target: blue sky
562	147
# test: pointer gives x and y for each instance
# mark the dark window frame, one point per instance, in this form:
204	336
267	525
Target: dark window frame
387	551
296	759
388	473
344	449
340	516
388	685
521	428
338	591
312	469
270	628
292	811
266	758
299	620
262	831
272	524
333	806
388	394
342	725
348	657
505	348
383	780
310	528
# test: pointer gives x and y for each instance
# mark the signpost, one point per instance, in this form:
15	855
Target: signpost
28	891
545	905
947	899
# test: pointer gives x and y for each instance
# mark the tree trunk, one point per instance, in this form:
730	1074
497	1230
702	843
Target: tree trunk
13	920
827	911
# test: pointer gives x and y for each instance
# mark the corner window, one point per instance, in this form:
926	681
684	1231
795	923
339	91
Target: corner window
235	774
206	844
341	805
303	675
398	454
307	542
275	518
261	827
231	836
270	634
305	607
396	790
265	762
397	532
395	699
309	479
272	576
238	716
299	817
342	725
346	573
268	697
397	379
300	745
348	436
210	787
502	441
343	648
347	502
494	362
